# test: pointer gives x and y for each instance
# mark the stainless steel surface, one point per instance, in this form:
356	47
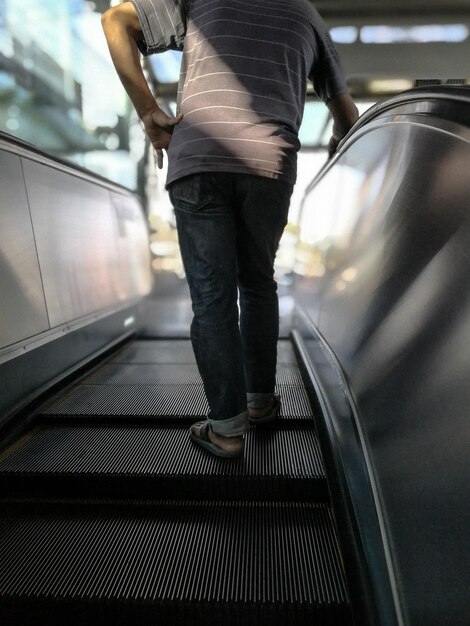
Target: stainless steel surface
79	238
133	250
14	145
391	222
76	244
23	309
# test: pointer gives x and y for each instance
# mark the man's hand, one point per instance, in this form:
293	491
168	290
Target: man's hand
122	31
345	114
159	127
333	145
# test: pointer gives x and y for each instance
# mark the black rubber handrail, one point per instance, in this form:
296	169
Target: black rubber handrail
417	95
456	96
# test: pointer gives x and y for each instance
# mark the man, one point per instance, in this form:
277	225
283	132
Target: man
231	170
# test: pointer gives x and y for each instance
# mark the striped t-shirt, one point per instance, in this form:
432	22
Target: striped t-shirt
243	80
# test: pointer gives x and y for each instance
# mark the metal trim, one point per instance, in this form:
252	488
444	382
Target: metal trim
34	154
10	352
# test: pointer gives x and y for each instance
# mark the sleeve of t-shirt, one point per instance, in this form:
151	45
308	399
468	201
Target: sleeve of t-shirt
326	74
163	24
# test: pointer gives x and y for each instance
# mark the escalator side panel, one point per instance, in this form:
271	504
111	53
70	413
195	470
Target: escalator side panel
394	325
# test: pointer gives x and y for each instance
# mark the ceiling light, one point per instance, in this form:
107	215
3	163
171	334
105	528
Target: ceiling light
390	85
428	33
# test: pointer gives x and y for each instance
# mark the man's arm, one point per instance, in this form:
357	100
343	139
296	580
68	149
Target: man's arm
345	114
122	31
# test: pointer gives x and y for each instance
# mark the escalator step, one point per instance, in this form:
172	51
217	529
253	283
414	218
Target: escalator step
161	351
180	351
186	563
132	400
162	462
167	401
170	374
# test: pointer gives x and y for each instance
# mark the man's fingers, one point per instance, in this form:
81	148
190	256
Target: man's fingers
177	119
159	128
160	144
165	122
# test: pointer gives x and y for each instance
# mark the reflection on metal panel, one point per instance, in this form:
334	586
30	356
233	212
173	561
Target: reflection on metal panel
395	308
78	244
74	230
23	310
133	247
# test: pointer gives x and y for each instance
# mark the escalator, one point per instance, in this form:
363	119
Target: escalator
111	515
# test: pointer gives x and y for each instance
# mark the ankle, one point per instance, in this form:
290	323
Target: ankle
252	410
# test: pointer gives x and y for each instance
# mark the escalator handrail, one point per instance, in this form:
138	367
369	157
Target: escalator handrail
457	95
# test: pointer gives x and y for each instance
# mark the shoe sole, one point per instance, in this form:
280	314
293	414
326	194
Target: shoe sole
215	450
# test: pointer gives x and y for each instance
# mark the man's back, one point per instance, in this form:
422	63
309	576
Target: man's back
244	72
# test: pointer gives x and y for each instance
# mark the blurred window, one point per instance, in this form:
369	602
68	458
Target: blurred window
59	89
317	125
166	66
314	124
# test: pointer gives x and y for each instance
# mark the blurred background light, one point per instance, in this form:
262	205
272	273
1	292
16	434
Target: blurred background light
429	33
344	34
389	85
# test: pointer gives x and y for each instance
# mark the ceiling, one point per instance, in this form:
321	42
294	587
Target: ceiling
392	8
363	62
397	63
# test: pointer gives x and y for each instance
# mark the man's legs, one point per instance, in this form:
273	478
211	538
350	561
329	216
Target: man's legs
264	206
206	220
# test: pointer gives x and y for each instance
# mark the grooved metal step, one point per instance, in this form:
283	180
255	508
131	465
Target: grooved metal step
112	515
170	374
187	563
162	462
180	351
160	351
168	401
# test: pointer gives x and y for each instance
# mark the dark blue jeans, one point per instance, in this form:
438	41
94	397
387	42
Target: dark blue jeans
229	227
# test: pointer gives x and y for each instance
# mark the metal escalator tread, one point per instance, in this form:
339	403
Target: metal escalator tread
185	563
278	464
180	351
159	379
168	401
106	519
160	351
170	374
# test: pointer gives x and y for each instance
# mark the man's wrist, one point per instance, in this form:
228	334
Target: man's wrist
145	113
